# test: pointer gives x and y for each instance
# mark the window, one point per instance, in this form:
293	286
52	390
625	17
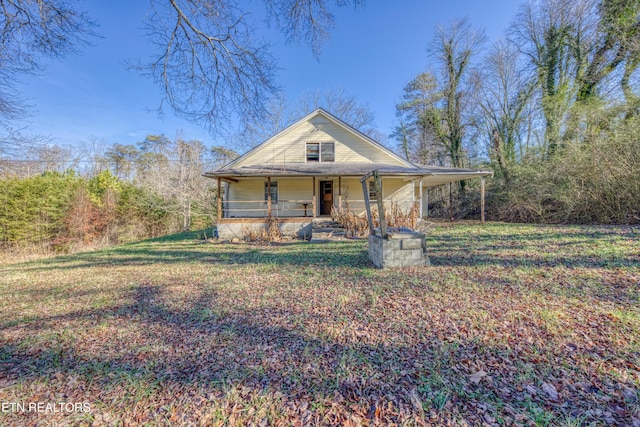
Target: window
321	152
372	191
313	152
274	191
327	152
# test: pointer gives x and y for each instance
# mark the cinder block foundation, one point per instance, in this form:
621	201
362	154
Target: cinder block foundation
229	228
404	249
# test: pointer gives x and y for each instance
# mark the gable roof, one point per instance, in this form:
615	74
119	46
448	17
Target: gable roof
434	175
317	112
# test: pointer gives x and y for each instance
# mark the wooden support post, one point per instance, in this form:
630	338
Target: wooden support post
451	201
367	204
339	194
268	196
426	203
219	199
377	183
413	193
313	201
482	200
421	198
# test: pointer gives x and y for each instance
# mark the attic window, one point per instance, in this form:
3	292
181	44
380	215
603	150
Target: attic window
313	152
328	152
321	152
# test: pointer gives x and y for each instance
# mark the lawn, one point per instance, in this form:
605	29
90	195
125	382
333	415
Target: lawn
511	325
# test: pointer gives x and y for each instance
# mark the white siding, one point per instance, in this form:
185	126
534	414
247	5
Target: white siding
393	190
289	147
242	198
247	196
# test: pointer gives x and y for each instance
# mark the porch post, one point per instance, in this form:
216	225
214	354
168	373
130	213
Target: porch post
451	201
413	193
313	201
339	193
268	196
421	197
219	200
482	200
367	204
426	203
377	183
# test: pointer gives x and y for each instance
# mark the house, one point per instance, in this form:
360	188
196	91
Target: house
310	168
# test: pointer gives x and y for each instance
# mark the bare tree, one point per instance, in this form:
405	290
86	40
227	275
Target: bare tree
189	184
32	32
279	114
453	49
94	152
415	135
209	63
342	104
438	107
308	21
551	33
505	95
614	43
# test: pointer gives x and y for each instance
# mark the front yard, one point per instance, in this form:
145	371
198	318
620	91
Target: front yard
512	325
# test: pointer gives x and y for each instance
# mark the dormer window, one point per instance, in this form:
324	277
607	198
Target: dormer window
321	152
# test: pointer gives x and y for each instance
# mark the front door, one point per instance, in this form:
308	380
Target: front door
326	197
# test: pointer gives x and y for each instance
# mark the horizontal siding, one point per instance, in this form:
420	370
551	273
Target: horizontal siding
290	147
293	192
238	196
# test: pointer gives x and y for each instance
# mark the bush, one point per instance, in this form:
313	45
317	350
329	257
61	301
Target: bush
65	212
593	179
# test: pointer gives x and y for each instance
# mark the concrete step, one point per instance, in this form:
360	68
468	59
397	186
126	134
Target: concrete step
327	235
324	231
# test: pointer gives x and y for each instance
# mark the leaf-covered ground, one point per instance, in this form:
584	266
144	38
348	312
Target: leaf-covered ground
512	325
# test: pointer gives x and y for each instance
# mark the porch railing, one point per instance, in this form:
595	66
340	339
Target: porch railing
294	208
260	208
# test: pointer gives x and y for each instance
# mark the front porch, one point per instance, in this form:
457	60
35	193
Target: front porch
302	198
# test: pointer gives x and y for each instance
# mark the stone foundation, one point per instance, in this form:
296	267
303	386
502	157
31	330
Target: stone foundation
234	227
405	249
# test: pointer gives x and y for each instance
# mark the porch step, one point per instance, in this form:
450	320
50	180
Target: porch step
326	230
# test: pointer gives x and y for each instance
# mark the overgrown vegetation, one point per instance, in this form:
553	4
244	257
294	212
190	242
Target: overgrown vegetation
271	233
358	225
123	193
512	325
594	181
553	106
66	212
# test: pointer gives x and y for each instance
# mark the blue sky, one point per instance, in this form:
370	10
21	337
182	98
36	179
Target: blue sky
373	53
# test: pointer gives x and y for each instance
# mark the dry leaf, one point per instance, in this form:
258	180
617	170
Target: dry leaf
550	390
477	377
416	401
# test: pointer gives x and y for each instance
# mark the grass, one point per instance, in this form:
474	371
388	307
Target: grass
171	331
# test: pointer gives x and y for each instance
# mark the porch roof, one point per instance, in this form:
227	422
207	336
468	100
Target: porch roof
435	175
